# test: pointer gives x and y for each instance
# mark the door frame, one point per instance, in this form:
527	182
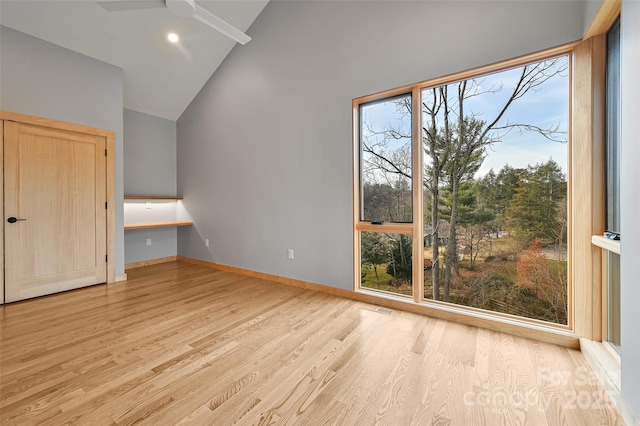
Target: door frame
110	181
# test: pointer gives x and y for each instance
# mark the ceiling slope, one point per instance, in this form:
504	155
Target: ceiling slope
160	78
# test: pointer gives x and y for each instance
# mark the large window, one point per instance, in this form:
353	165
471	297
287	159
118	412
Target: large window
613	128
386	195
612	259
495	178
481	188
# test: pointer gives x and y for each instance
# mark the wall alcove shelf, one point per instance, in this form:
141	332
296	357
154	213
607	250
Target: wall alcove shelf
155	225
150	197
159	224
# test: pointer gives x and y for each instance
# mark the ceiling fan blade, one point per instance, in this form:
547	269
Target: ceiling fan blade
122	5
220	25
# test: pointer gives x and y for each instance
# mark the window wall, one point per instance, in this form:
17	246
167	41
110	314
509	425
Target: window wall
462	196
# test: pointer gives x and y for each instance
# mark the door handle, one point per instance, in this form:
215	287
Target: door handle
14	219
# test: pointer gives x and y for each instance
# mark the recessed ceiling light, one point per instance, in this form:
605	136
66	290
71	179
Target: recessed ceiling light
173	37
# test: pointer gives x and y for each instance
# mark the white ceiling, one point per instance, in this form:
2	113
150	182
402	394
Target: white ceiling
160	78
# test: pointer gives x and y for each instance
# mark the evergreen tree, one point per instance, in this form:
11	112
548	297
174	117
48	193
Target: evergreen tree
399	266
375	250
533	211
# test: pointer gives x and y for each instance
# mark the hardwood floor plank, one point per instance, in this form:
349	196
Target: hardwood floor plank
184	344
261	349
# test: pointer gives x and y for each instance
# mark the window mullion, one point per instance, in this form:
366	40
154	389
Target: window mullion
357	205
418	205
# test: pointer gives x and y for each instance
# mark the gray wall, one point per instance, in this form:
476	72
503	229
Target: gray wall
163	244
265	149
630	204
591	8
149	154
149	169
41	79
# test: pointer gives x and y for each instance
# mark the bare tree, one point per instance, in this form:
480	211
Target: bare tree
460	139
455	140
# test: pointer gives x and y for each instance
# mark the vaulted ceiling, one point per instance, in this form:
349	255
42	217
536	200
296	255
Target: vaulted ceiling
160	78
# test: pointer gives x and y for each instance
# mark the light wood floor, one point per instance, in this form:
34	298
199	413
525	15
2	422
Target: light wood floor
184	344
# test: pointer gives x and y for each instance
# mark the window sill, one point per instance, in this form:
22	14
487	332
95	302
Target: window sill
606	243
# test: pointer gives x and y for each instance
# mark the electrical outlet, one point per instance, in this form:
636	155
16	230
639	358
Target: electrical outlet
148	241
148	206
206	242
290	254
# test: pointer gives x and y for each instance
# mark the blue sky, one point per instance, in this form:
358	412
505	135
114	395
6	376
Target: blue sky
546	107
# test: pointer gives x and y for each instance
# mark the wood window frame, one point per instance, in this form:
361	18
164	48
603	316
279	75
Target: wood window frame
584	194
589	127
592	328
395	228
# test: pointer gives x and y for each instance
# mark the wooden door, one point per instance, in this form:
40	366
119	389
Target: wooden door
1	212
55	188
